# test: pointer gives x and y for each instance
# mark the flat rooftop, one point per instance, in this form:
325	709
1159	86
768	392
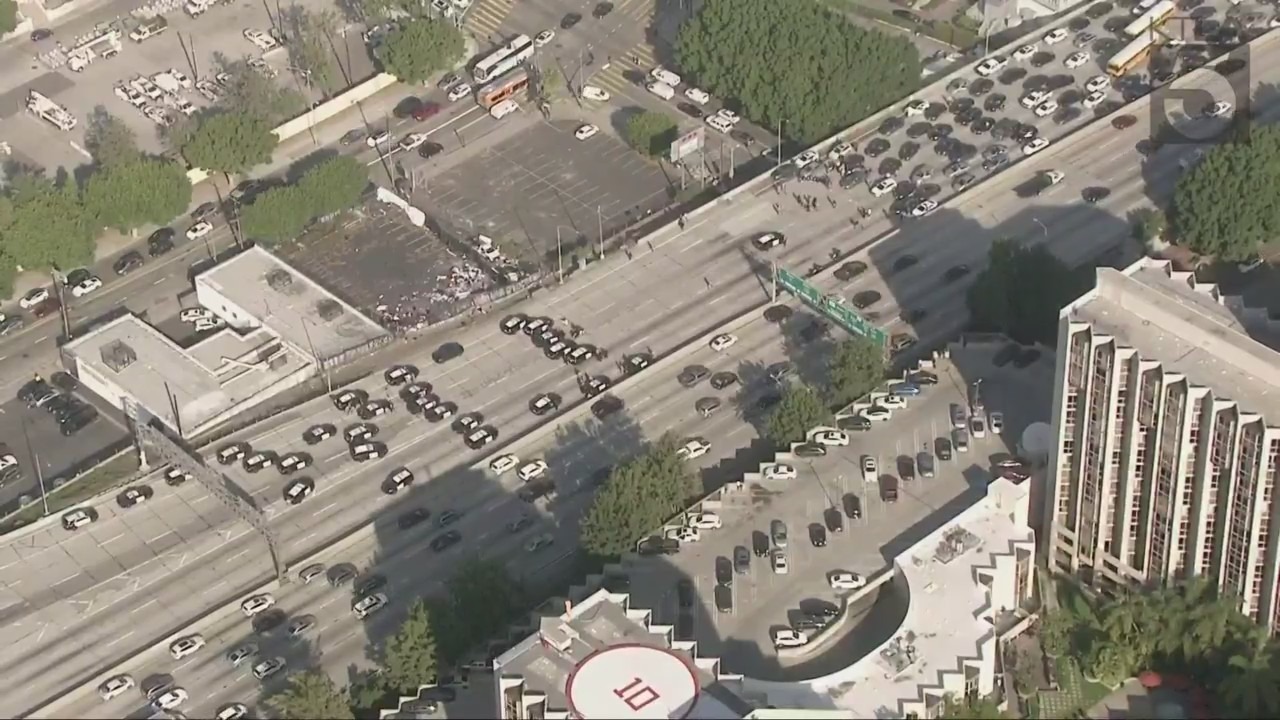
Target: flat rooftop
1189	328
948	616
578	659
204	380
268	292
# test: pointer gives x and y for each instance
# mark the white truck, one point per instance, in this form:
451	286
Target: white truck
105	45
149	29
50	111
172	81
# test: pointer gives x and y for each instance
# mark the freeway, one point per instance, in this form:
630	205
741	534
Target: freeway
673	276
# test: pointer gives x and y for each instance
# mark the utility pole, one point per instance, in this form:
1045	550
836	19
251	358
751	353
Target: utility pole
600	229
779	146
328	379
559	258
59	282
169	451
773	288
35	462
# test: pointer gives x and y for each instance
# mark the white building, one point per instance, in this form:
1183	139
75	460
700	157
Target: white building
1167	420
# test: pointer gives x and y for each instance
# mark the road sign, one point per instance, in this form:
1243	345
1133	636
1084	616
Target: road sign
832	306
686	145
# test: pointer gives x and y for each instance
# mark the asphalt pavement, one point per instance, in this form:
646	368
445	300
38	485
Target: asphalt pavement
680	304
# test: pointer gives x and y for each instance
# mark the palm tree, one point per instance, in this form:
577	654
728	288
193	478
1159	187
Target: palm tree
1251	685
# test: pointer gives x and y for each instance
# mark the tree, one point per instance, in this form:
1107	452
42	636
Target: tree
1055	632
1250	685
551	82
144	191
368	694
8	16
796	64
310	48
230	142
485	599
1111	664
981	708
110	140
800	410
855	368
409	657
48	226
311	695
1021	291
1148	224
276	215
1026	676
642	493
1217	209
421	48
650	133
334	185
253	93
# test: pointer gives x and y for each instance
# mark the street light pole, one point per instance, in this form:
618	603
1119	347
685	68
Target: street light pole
600	229
779	144
559	258
1042	227
35	462
58	283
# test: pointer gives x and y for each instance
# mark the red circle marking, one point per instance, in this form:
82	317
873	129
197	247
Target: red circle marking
633	686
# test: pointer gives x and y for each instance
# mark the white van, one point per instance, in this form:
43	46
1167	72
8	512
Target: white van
503	109
664	76
662	90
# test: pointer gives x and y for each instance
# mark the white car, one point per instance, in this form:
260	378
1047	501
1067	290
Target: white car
978	426
723	342
1033	98
1094	99
1046	108
1035	146
234	711
699	96
129	95
413	141
185	646
34	298
805	159
997	423
693	449
543	38
991	66
114	687
730	116
893	402
171	699
846	581
830	438
193	314
1075	60
915	108
719	124
157	116
883	187
779	562
209	323
839	151
381	137
1054	176
779	471
591	92
76	519
1055	36
1097	83
877	413
684	534
705	521
924	208
504	463
367	606
586	131
664	76
199	230
532	470
1024	52
870	469
788	638
459	91
260	40
1218	109
267	668
256	604
86	286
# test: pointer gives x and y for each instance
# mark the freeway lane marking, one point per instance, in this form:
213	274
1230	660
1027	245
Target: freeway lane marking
72	576
143	606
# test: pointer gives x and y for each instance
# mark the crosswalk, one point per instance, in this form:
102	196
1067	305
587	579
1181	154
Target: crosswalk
613	78
486	16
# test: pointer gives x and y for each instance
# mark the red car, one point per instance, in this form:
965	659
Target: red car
425	110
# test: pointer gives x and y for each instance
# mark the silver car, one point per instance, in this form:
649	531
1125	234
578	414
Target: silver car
778	531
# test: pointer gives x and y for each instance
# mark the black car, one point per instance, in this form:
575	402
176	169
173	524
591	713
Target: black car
594	385
429	150
855	423
440	411
820	610
512	324
135	495
852	506
160	242
481	437
692	375
723	598
375	408
833	519
818	535
954	273
1094	195
722	380
348	400
71	424
634	363
853	178
601	10
446	540
569	20
724	571
690	109
414	517
606	406
127	263
400	374
446	352
468	422
654	545
264	623
544	403
369	585
850	270
942	448
809	450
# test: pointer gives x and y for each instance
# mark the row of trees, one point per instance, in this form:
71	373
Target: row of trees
8	16
436	634
795	64
650	133
1218	206
641	494
855	368
282	213
1022	289
421	48
1186	629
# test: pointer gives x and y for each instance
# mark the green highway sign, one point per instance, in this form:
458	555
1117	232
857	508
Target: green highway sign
832	306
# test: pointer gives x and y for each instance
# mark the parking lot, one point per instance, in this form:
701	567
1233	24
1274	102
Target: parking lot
198	47
527	190
764	601
32	434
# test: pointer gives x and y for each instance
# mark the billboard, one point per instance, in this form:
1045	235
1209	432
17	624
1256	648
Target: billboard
686	145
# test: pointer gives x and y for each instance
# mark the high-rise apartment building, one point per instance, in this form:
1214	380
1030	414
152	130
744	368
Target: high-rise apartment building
1167	415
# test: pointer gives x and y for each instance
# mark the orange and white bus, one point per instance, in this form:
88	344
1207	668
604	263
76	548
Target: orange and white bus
502	88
